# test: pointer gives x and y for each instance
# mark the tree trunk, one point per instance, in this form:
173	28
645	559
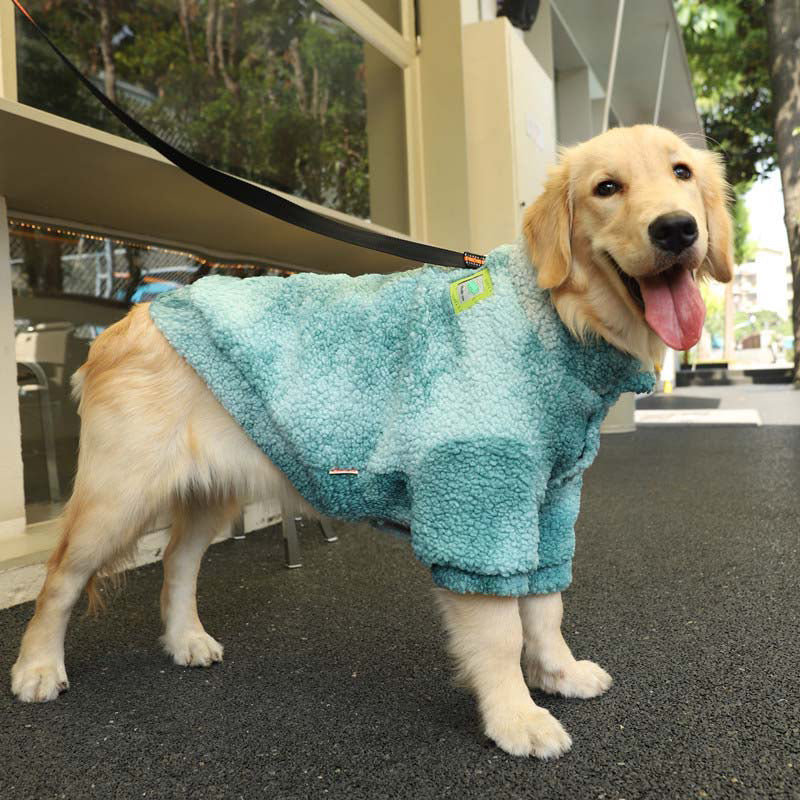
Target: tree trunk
230	84
236	35
109	71
783	30
183	16
211	36
299	80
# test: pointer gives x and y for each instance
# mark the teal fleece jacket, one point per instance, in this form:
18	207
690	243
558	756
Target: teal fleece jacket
452	401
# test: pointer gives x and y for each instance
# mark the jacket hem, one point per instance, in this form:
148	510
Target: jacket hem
545	580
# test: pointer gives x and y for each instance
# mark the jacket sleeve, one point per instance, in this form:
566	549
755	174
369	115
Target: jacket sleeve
475	515
557	517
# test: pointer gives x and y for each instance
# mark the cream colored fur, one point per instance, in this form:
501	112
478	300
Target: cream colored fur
154	438
569	229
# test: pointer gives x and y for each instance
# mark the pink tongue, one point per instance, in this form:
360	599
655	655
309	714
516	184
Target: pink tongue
674	308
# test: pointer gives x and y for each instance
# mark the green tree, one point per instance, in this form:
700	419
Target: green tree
726	44
746	72
743	249
272	90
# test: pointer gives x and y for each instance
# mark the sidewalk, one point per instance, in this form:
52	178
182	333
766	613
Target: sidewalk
776	404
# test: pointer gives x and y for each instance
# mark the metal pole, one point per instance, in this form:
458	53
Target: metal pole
612	67
661	74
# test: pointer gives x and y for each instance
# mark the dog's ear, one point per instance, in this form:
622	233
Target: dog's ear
716	197
548	229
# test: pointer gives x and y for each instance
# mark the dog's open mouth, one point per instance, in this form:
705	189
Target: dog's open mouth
629	282
670	301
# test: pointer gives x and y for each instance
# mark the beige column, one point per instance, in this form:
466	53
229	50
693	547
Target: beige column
573	106
444	137
539	38
12	491
8	55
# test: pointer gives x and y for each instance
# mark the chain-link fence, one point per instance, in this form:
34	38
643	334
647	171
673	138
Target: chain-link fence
56	260
68	286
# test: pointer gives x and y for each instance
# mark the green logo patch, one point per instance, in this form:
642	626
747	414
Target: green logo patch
466	292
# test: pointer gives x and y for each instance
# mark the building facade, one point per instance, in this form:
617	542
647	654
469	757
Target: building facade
432	119
764	284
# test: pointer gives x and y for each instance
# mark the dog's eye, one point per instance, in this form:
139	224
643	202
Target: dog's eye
606	188
682	172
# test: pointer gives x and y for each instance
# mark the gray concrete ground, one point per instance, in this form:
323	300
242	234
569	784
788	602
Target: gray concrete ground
336	683
778	404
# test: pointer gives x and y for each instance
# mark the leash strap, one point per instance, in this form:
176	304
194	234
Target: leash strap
264	200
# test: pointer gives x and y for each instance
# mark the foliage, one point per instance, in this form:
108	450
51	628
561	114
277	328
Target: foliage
730	55
743	249
748	323
726	44
272	90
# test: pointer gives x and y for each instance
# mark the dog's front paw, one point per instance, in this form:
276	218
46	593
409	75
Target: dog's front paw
582	679
530	731
193	648
38	682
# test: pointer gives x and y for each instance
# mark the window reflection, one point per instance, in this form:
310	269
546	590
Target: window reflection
68	287
277	91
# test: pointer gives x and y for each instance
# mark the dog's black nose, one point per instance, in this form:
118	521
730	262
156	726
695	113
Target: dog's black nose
673	232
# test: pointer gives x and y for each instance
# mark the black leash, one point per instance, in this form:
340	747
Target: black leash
265	200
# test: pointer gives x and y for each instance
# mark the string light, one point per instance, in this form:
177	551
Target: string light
206	262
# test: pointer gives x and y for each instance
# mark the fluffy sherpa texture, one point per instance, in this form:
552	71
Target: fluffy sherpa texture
473	428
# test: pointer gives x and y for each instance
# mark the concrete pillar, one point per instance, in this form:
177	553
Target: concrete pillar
477	11
444	136
510	130
597	108
12	490
540	38
620	417
8	53
573	106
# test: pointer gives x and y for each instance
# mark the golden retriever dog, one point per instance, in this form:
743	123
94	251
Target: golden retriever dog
626	225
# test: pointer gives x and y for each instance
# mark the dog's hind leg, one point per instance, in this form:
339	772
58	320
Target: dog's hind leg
99	528
194	525
486	642
549	663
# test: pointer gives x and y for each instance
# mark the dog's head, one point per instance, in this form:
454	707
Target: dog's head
626	225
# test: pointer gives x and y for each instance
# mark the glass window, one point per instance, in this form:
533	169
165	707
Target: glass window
277	91
68	287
